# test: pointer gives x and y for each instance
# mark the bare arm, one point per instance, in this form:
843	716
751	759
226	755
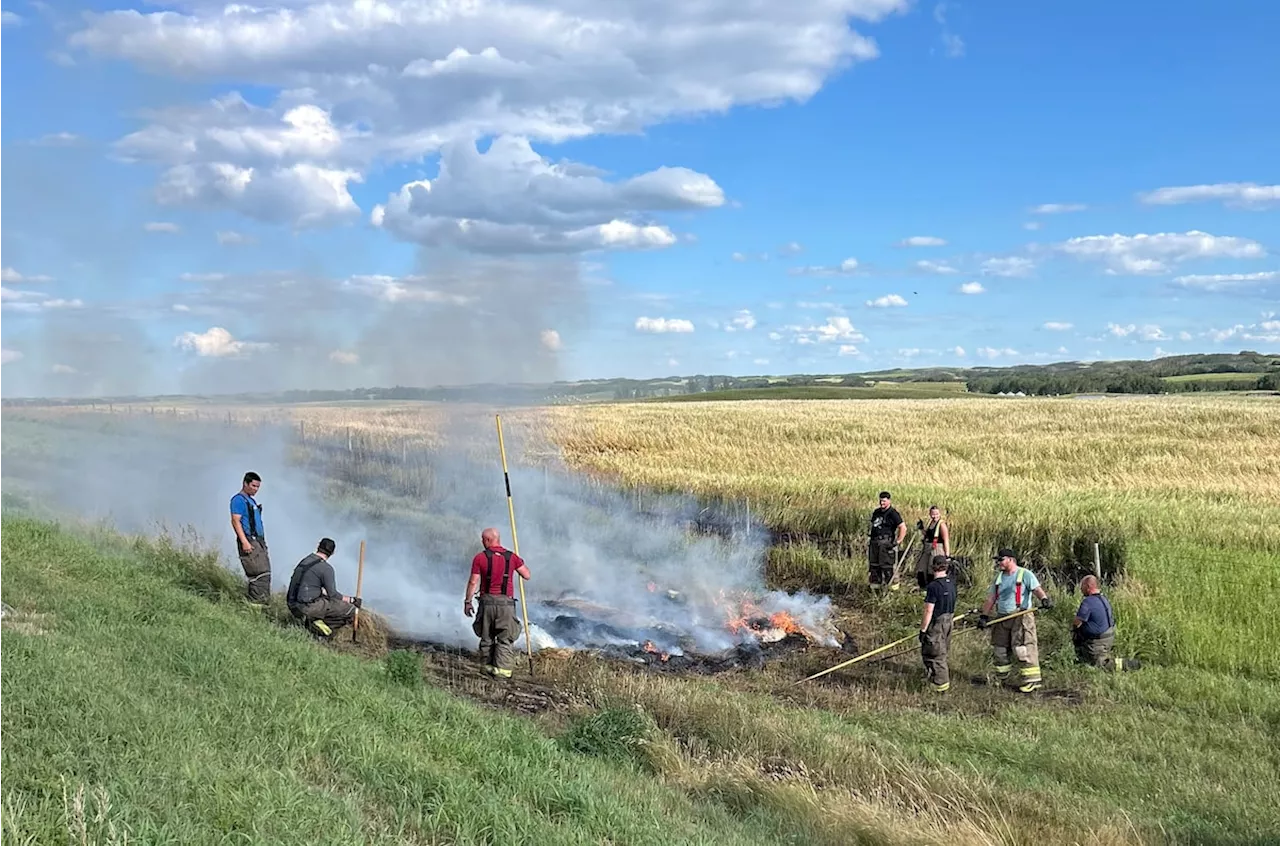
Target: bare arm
946	539
239	530
473	585
928	617
523	570
902	532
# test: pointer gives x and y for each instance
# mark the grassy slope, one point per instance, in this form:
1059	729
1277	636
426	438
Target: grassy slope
201	722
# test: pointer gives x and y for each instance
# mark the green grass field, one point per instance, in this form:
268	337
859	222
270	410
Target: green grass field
883	390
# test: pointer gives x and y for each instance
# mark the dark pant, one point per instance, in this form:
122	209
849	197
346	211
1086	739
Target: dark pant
331	610
497	627
257	568
937	642
882	561
1095	650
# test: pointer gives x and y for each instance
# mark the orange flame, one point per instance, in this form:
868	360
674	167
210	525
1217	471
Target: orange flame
648	646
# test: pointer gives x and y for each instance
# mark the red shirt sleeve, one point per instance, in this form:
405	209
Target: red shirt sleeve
516	562
477	564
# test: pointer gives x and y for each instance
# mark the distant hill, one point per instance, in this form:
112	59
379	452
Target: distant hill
1244	370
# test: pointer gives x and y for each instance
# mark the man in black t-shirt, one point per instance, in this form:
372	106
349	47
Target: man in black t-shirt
887	532
935	625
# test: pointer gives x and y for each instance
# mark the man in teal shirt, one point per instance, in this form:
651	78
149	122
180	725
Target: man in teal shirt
1014	641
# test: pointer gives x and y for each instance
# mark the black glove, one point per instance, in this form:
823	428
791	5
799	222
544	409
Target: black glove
920	525
923	637
983	621
1046	603
357	601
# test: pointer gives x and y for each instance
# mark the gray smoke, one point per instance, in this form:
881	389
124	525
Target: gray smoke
605	572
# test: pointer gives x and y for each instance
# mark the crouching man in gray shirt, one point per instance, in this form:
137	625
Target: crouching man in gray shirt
313	597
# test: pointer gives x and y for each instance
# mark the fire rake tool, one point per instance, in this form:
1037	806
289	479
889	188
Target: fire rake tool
355	623
515	541
878	650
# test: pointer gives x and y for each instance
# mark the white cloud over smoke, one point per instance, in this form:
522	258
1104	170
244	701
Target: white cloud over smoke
663	325
1152	254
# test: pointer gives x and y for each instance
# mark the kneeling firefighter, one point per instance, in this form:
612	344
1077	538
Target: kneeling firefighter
1093	630
313	597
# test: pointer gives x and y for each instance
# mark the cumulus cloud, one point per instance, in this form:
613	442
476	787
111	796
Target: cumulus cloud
958	352
550	339
21	301
663	325
1057	326
216	342
399	80
510	199
993	352
1145	332
922	241
1227	281
744	320
1266	331
972	288
887	301
300	194
848	267
836	329
231	238
790	248
8	356
1246	195
1012	267
1152	254
13	277
161	226
848	349
1058	208
939	267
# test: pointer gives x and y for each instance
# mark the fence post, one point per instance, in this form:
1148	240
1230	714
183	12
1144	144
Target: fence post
1097	562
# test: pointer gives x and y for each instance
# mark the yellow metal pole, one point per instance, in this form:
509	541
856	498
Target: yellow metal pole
876	651
355	623
515	541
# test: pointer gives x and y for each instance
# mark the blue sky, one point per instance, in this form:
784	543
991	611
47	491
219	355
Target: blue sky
211	199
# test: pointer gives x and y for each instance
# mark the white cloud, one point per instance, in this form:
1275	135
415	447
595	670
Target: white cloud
510	200
1145	332
1267	332
1058	208
848	349
344	357
215	343
838	328
743	320
846	268
161	226
663	325
922	241
8	18
64	369
8	356
1032	225
823	306
939	267
1147	254
13	277
910	352
887	301
300	194
1057	326
775	336
1226	281
395	81
790	248
34	301
231	238
1012	267
958	352
550	339
972	288
202	277
992	352
1184	335
179	307
1247	195
403	289
738	257
759	361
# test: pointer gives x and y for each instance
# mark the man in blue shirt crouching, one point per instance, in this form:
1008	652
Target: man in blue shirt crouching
1094	630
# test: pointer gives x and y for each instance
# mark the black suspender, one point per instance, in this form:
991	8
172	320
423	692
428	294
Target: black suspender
488	573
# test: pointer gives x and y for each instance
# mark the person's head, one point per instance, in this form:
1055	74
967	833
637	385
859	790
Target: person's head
326	547
1006	559
885	499
490	538
935	513
1089	585
939	566
252	481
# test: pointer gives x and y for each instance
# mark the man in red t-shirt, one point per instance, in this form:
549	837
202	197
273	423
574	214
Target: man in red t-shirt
496	625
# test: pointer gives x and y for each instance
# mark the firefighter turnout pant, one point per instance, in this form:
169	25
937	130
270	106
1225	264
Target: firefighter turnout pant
1097	651
937	643
882	560
1013	644
497	627
332	611
256	564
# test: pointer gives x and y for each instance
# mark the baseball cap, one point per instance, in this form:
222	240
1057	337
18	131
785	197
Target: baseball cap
1004	552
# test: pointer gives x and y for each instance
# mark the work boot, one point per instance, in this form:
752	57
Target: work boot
1029	687
490	670
1130	664
322	627
941	688
501	673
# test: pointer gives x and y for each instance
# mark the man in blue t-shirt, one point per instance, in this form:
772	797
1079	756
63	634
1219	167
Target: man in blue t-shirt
1093	630
1014	640
251	539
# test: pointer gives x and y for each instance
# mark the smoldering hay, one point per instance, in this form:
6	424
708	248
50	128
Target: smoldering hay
611	570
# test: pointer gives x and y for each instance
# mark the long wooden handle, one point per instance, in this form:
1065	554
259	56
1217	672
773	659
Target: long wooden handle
355	623
515	541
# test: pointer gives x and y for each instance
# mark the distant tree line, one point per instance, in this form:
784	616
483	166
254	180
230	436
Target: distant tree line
1052	384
